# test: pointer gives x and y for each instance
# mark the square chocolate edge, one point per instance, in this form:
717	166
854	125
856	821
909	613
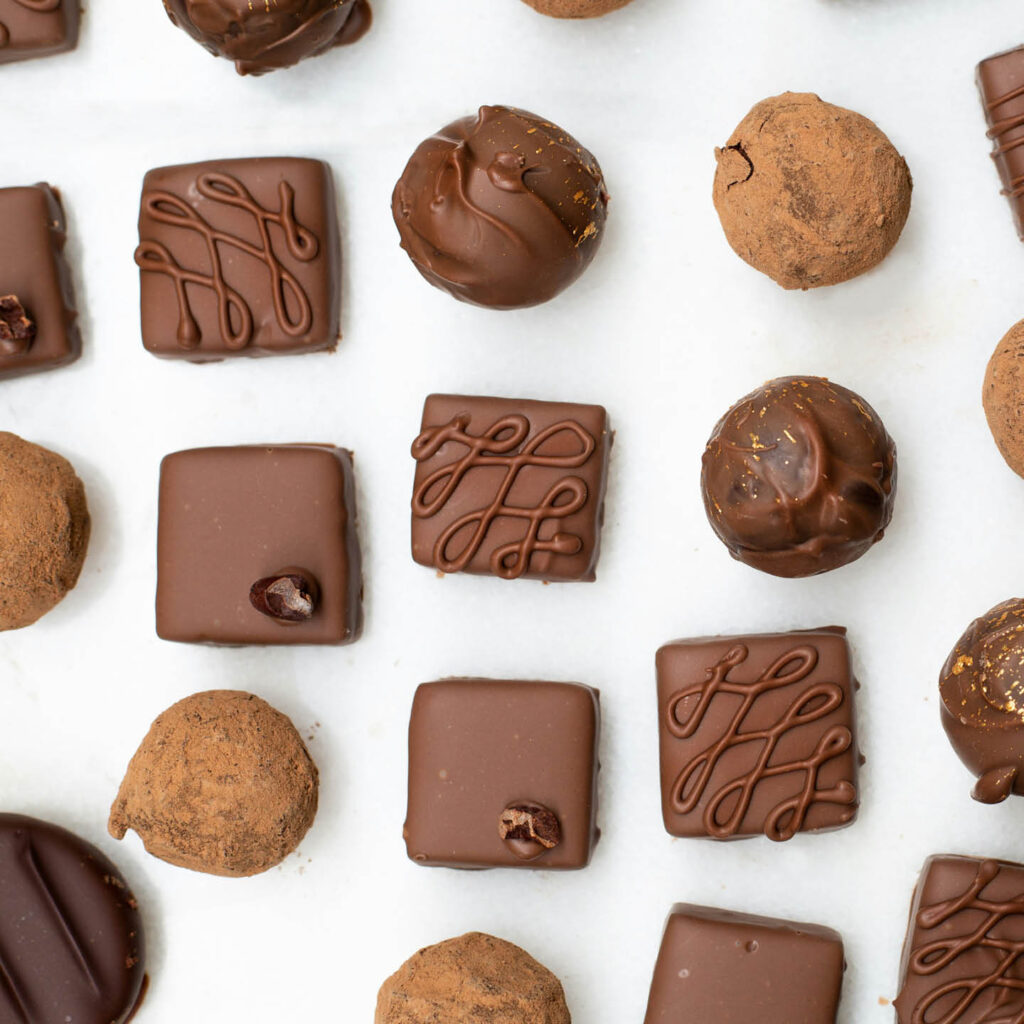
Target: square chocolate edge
28	34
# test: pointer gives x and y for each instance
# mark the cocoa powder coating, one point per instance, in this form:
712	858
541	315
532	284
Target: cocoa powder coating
1003	397
222	783
809	193
576	8
44	530
471	979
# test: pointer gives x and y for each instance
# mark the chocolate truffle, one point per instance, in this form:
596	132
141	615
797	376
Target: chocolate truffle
799	477
809	193
72	946
222	783
36	28
503	209
1001	84
471	979
44	530
1003	397
982	690
576	8
264	37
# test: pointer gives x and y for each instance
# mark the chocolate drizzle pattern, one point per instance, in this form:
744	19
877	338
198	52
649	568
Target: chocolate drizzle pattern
727	807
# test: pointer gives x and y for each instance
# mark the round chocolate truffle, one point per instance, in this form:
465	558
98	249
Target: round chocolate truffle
576	8
809	193
222	783
1003	397
799	477
982	690
44	530
471	979
503	209
264	37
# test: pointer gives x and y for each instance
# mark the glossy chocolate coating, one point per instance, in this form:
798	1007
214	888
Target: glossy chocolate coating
36	28
239	258
231	517
34	271
264	37
479	748
503	209
720	967
757	735
982	690
799	477
963	960
1001	84
71	941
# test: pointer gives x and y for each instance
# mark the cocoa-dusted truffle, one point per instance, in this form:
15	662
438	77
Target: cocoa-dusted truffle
1003	397
576	8
809	193
471	979
44	530
222	783
503	209
799	477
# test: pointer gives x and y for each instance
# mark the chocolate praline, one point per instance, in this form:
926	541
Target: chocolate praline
799	477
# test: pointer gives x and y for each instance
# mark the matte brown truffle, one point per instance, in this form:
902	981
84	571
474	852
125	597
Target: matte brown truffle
471	979
1003	397
809	193
222	783
576	8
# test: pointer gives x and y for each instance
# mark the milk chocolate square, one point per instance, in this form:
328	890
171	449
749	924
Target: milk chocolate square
257	545
1001	84
37	28
720	967
962	961
239	258
757	735
38	322
503	774
510	488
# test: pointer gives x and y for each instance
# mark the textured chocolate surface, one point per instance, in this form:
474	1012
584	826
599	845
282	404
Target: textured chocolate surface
502	209
34	272
757	735
719	967
36	28
799	477
962	961
982	690
232	517
479	749
264	37
239	258
1001	84
510	488
71	941
576	8
1003	397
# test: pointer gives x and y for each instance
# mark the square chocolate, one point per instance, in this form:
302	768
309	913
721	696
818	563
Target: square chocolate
757	735
37	28
719	967
239	258
258	545
1001	84
510	488
962	961
503	774
38	322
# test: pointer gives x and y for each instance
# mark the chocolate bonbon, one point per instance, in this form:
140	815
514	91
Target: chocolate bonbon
729	968
510	488
502	209
1001	84
503	774
72	946
799	477
36	28
38	322
239	258
1003	397
757	735
258	545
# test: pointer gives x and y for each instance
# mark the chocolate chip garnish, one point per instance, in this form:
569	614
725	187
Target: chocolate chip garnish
529	830
288	596
17	330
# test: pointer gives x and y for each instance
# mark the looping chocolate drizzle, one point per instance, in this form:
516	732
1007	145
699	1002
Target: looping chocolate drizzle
235	316
1001	128
688	708
504	445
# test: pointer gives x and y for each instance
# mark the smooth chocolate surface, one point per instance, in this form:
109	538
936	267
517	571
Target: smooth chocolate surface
799	477
36	28
36	276
502	209
239	258
491	762
757	735
233	517
1001	84
71	940
962	961
719	967
510	488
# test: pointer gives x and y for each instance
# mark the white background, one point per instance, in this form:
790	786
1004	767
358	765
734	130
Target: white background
666	329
